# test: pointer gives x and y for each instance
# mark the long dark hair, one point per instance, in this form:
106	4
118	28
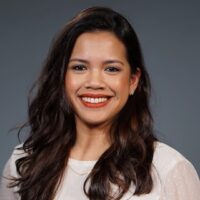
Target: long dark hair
52	126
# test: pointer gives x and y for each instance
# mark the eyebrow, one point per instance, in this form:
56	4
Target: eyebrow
105	62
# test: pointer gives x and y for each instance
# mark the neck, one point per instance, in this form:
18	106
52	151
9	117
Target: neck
91	142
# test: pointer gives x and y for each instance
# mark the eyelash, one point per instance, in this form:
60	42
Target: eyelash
78	68
109	69
112	69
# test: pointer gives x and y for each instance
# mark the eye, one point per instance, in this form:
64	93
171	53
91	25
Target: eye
78	68
112	69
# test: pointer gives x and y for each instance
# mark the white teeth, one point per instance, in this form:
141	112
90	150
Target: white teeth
94	100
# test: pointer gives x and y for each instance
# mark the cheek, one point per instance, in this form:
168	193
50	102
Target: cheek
122	85
71	84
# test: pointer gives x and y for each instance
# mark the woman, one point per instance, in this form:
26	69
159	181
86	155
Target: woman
91	134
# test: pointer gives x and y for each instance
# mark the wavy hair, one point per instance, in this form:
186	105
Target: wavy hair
52	125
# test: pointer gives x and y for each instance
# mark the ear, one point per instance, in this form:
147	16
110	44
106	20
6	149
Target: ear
134	80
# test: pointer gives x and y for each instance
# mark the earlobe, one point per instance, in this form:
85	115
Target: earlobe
132	92
134	80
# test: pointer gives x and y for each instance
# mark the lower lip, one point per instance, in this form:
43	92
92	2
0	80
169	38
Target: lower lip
95	105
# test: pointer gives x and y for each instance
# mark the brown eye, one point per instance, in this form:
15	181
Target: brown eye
112	69
79	68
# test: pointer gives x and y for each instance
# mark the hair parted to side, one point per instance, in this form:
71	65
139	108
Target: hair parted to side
52	126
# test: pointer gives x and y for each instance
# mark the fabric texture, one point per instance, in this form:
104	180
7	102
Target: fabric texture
174	178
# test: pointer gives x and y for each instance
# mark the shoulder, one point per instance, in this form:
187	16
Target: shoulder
17	153
174	174
9	173
166	159
165	154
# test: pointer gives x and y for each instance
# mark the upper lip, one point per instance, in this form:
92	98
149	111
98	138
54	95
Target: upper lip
94	95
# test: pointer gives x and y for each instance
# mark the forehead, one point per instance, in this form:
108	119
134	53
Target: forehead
98	44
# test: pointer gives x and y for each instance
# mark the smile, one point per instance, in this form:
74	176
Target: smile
94	100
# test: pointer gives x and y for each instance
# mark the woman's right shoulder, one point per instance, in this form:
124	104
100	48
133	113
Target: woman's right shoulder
9	173
17	153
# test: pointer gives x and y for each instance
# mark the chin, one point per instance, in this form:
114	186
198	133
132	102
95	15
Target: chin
97	123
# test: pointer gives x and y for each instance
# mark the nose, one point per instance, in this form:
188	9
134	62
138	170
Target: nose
95	80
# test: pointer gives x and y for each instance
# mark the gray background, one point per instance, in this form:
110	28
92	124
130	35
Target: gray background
169	32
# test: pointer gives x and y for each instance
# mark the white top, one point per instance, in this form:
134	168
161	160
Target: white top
174	178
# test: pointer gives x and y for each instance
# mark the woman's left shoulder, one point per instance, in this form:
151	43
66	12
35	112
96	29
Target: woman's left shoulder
166	159
174	177
175	174
166	154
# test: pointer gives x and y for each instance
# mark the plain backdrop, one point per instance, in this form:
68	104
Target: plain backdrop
169	32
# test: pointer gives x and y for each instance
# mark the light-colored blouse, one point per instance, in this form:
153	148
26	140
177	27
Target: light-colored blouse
174	178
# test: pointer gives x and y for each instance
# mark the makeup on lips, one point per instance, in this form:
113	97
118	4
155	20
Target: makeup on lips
94	100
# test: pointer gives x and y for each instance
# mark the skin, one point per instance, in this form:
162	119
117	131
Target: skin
97	68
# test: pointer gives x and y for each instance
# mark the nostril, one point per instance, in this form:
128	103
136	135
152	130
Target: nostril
94	84
94	87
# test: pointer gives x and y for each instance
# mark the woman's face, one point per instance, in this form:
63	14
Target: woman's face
98	80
